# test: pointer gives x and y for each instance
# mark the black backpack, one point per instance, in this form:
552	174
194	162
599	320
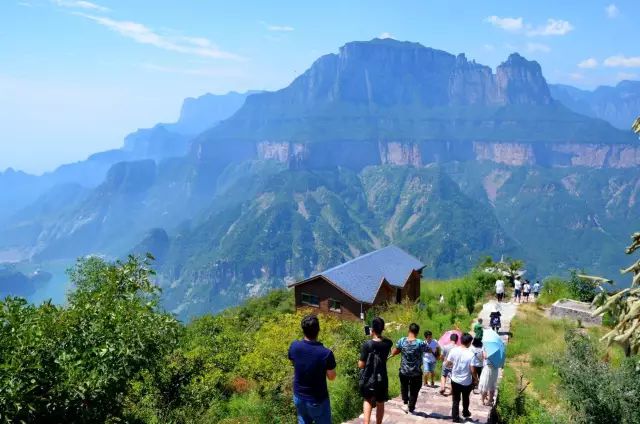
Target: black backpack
371	376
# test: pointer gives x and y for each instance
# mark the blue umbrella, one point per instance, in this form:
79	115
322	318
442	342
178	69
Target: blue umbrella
495	348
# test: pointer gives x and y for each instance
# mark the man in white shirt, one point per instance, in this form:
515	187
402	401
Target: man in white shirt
517	289
499	289
463	377
536	289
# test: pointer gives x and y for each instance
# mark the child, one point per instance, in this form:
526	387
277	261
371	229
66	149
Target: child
478	357
446	372
478	329
429	358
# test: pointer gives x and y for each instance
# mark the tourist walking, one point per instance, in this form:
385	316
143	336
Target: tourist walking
499	289
478	357
488	382
463	377
313	364
517	289
374	381
429	358
526	289
494	319
536	290
446	370
478	329
410	373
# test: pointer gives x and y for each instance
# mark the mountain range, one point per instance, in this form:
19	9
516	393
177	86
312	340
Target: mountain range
383	142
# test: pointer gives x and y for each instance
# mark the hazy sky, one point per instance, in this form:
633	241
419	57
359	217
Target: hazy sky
76	76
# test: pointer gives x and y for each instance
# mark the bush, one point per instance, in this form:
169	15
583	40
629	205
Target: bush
554	289
582	289
599	392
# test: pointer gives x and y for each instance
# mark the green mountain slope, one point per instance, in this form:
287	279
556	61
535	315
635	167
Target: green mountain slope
562	217
300	222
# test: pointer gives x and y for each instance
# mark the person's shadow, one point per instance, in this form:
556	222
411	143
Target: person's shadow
505	333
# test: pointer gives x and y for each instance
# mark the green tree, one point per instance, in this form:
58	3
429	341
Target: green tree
81	360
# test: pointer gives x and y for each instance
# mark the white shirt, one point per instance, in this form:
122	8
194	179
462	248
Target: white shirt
527	288
478	357
499	286
536	288
429	356
462	358
517	285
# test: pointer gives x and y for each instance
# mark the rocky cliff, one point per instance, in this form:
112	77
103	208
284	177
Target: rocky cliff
359	155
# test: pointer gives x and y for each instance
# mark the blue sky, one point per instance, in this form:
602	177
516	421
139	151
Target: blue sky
76	76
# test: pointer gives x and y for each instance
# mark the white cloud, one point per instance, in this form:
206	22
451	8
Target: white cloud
277	28
489	47
385	35
199	72
576	76
627	76
612	11
81	4
553	27
24	4
142	34
588	63
507	24
621	61
538	47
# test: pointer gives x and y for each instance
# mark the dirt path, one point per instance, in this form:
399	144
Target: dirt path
433	408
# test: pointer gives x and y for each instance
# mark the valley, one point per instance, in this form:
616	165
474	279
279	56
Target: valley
452	162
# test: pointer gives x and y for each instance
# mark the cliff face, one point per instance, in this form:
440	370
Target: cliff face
391	91
359	155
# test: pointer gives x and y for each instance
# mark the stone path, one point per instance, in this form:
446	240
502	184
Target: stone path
433	408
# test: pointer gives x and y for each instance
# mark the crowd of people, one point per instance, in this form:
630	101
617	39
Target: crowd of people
522	289
464	366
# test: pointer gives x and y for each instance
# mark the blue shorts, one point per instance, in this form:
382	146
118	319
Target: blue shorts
429	366
312	412
517	293
446	372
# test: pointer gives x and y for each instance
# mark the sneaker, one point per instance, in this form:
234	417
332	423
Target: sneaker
457	420
466	414
404	408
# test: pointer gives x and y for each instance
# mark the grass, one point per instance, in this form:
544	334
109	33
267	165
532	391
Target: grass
536	344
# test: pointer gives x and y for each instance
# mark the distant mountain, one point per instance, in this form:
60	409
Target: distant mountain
16	283
387	90
294	223
385	142
619	105
18	189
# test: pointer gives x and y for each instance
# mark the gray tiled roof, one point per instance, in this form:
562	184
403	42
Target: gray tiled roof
361	277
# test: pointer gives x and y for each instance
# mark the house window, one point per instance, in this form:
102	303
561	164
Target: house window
310	299
335	306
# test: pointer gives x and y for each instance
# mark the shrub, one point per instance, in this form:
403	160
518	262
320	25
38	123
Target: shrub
553	289
597	391
582	289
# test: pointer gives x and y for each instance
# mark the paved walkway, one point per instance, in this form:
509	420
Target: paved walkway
433	408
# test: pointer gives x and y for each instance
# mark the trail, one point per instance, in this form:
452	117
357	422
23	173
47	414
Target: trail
432	407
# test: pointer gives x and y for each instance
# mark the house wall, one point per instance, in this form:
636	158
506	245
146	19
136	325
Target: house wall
412	287
325	291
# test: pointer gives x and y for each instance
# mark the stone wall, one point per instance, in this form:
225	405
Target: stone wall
574	310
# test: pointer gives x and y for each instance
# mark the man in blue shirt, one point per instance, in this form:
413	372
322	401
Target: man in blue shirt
313	364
